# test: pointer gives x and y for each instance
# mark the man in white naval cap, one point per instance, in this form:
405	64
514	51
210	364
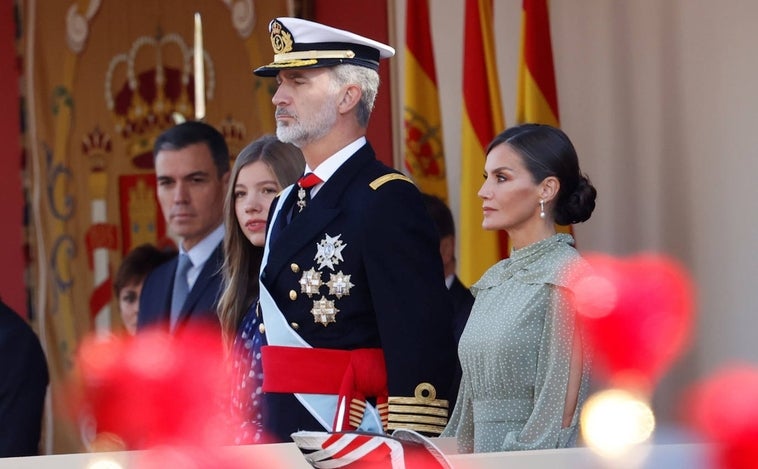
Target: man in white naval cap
356	318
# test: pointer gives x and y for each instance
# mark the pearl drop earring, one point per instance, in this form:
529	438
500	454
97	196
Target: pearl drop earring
542	209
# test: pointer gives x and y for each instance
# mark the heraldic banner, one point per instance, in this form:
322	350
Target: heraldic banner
101	79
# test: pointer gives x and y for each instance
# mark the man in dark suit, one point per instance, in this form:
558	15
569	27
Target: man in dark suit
23	384
461	296
352	291
192	171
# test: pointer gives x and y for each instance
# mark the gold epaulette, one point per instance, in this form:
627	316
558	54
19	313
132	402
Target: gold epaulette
422	413
378	182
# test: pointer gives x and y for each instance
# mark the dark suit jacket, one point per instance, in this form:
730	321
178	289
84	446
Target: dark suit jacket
200	306
390	250
463	300
23	383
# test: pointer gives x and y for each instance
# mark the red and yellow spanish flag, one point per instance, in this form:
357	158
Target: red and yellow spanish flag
537	95
482	120
424	156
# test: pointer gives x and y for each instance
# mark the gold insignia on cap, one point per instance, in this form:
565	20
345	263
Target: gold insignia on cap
292	63
281	39
423	412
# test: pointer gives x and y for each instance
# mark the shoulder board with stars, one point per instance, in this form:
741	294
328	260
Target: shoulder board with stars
381	180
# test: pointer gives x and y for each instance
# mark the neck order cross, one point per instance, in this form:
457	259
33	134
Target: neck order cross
305	184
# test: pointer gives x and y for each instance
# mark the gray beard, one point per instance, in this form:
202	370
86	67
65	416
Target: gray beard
303	132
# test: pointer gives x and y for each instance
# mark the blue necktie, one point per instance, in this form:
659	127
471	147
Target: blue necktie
181	288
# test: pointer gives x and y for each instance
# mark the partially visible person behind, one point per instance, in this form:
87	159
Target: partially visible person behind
192	172
525	365
461	296
23	384
130	276
262	169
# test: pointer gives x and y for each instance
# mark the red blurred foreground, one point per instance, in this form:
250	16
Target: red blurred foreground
637	313
154	389
724	409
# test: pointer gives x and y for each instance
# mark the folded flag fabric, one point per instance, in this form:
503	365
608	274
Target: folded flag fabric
359	450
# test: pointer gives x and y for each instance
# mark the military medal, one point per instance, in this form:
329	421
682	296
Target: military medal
323	311
310	282
329	251
339	284
305	182
300	199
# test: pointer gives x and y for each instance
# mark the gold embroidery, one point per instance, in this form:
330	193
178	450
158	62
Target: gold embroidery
281	39
413	419
417	409
380	181
419	427
313	54
423	412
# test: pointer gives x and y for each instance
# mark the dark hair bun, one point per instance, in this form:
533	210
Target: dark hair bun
577	206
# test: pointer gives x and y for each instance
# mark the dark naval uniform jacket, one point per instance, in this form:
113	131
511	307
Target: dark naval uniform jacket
366	246
199	307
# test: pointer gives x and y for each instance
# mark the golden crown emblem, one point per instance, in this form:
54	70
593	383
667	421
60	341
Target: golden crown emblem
281	39
234	133
153	81
96	145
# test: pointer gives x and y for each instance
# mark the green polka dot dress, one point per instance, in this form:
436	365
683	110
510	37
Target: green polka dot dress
515	353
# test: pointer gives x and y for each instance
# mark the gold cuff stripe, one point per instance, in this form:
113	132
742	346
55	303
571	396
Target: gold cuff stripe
416	401
417	409
418	419
313	54
378	182
433	429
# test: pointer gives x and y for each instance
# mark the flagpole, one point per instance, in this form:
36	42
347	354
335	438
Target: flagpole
198	69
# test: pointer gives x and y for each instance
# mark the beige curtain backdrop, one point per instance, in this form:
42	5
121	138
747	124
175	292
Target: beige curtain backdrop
101	81
660	99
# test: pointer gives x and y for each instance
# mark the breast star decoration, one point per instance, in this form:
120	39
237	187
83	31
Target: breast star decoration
329	251
339	284
310	282
324	311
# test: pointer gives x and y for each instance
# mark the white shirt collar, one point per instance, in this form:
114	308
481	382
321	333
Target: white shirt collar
330	166
200	252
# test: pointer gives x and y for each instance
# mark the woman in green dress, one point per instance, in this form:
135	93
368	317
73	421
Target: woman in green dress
525	365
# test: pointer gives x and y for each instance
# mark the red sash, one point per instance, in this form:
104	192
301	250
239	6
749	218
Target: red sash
353	375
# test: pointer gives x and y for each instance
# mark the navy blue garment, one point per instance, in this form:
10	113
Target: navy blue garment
368	223
202	299
247	379
23	384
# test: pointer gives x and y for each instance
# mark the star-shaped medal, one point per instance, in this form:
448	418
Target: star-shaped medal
339	284
310	282
329	251
323	311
